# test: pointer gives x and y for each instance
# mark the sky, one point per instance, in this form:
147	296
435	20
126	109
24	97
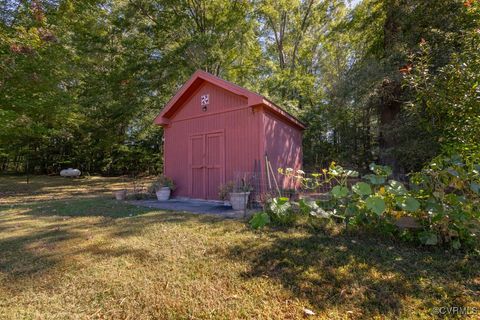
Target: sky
353	3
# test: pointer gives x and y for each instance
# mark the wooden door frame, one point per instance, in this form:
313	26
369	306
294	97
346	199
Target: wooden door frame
204	135
221	134
190	163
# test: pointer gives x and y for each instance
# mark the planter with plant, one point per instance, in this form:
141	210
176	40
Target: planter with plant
240	194
162	187
120	194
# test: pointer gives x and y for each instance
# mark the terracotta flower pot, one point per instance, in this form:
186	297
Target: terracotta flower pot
163	194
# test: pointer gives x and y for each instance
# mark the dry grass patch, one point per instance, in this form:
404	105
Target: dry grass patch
95	258
16	189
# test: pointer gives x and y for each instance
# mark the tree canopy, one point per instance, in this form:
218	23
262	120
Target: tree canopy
393	81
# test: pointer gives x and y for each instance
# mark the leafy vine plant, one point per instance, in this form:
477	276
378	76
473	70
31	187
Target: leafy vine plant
335	174
440	207
369	202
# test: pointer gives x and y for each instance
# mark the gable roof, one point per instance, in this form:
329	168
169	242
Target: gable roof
199	77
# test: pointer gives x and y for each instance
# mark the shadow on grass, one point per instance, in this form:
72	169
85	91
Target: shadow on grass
84	207
36	254
22	256
138	224
100	207
370	277
34	236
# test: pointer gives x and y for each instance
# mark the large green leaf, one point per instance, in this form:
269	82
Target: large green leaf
307	206
456	244
259	220
351	173
397	188
475	187
362	188
408	204
380	170
351	209
428	238
321	213
433	206
280	205
453	172
312	208
375	179
476	169
376	204
339	191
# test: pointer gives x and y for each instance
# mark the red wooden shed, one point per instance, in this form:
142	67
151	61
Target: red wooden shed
215	130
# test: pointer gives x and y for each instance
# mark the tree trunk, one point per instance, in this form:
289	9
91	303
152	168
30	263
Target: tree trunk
391	97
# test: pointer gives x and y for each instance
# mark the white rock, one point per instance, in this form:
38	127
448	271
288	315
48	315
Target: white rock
70	172
308	312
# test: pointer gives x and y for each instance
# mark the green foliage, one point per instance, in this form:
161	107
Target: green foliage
362	189
73	91
259	220
281	212
81	82
428	238
312	209
376	204
441	208
382	171
452	207
395	187
408	203
161	182
335	174
448	96
375	179
339	191
366	112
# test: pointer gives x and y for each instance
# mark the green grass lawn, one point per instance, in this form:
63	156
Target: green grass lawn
90	257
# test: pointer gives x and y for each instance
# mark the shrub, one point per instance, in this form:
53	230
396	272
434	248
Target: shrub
278	211
449	190
259	220
441	207
281	212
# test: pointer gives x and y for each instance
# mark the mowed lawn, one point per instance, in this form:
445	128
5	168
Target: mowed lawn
69	251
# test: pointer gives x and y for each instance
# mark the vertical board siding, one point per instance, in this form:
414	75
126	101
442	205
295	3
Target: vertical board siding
283	146
240	138
219	100
215	163
196	162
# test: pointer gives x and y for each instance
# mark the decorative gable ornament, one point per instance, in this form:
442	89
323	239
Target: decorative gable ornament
204	100
198	78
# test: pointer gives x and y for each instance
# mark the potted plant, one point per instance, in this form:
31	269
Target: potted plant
224	192
239	195
120	194
162	187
